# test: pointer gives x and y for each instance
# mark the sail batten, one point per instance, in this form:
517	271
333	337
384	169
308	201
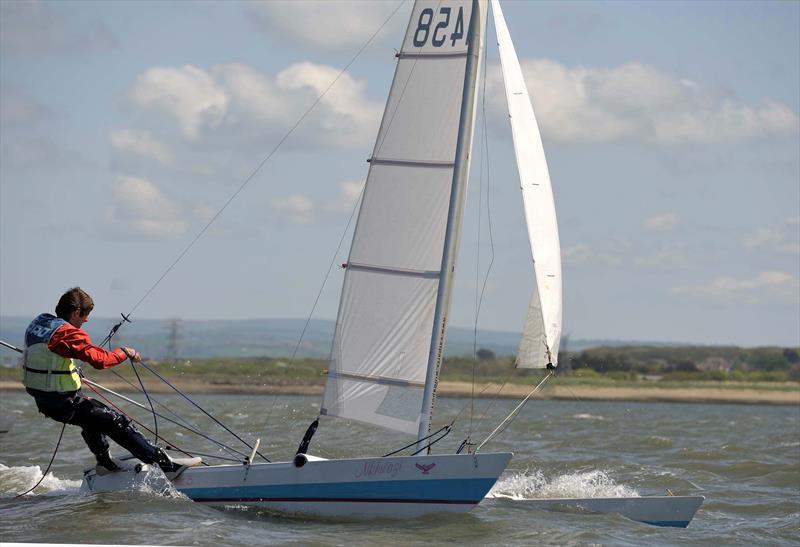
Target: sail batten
412	163
395	271
428	55
541	333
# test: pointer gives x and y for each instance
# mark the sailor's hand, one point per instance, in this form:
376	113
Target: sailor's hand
132	354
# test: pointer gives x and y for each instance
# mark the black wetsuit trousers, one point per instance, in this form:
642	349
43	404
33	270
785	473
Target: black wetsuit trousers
97	422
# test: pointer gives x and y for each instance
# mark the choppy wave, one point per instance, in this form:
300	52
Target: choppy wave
659	441
157	484
588	417
589	484
14	480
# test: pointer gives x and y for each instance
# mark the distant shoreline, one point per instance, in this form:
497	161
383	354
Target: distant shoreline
510	391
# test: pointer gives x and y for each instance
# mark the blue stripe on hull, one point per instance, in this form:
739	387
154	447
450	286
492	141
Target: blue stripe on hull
335	500
670	523
445	491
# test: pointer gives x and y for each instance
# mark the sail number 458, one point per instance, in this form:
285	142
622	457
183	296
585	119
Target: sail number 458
439	34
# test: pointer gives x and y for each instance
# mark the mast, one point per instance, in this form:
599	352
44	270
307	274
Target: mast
454	214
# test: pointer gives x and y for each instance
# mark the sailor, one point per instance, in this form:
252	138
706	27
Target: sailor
52	342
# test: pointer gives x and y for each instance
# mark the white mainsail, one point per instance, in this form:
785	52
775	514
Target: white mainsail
541	334
382	341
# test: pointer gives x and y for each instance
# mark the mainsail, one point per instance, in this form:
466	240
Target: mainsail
380	353
541	334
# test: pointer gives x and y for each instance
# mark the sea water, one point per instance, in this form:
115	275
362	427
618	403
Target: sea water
745	459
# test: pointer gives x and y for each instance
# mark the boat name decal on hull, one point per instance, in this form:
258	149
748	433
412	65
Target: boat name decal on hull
372	469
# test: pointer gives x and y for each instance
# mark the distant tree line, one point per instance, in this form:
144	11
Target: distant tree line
669	363
704	362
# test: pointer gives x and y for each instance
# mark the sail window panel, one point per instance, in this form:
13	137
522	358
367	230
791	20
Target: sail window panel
532	349
389	407
383	333
403	217
422	114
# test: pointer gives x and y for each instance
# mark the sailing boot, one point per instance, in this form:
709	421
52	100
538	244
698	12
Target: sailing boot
105	464
173	467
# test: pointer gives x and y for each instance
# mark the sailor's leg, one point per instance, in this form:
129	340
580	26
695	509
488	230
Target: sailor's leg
99	420
63	409
96	441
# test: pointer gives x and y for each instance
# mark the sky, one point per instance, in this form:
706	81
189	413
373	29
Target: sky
671	131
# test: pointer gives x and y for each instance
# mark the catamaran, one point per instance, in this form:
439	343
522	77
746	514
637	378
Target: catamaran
393	314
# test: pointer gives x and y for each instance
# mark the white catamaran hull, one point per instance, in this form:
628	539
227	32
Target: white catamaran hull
363	487
676	511
375	487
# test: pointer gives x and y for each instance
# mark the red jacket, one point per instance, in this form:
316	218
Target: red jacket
74	343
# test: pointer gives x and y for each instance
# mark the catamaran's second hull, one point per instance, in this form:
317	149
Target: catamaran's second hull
394	487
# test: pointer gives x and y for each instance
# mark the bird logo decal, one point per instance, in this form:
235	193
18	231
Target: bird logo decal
425	468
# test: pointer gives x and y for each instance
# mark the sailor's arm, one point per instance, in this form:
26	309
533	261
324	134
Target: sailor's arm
74	343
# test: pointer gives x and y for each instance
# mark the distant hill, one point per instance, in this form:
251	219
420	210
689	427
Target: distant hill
264	337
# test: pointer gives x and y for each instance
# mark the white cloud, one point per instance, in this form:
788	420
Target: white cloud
349	192
39	28
583	254
139	208
661	223
204	213
187	93
248	104
668	257
19	109
783	238
142	144
347	113
300	209
778	284
320	24
296	208
639	102
39	154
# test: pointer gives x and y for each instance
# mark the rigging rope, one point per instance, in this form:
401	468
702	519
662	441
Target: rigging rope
169	444
265	160
107	340
147	395
238	191
184	423
191	428
316	300
198	407
514	413
49	465
58	443
479	298
445	428
376	153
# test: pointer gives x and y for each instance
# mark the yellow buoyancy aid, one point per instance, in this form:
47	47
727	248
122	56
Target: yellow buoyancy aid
41	368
